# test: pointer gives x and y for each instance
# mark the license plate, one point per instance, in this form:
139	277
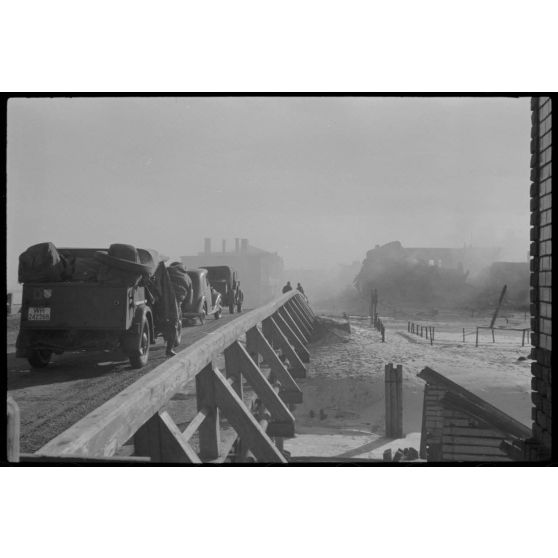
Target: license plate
38	314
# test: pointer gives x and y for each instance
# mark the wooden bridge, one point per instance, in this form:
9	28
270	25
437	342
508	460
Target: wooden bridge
263	351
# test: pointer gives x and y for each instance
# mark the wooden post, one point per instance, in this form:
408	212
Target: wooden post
463	335
493	340
426	330
388	380
383	333
209	431
12	430
432	336
408	326
233	369
398	392
477	338
523	339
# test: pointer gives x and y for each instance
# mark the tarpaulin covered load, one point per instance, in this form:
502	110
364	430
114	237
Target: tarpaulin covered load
42	263
121	266
181	282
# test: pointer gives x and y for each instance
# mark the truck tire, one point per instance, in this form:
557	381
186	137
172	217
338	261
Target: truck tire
39	358
139	358
218	314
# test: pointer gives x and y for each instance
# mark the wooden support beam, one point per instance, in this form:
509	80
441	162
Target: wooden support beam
248	428
291	336
194	424
304	304
304	309
305	339
209	429
299	318
12	430
161	440
267	394
82	459
297	366
233	369
290	391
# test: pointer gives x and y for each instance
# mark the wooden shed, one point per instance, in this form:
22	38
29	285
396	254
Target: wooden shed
457	425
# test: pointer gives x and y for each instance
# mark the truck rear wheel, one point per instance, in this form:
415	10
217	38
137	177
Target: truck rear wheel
139	358
40	358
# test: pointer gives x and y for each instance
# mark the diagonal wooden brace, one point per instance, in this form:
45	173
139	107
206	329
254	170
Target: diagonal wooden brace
302	321
299	330
291	336
271	401
242	420
302	311
160	439
297	366
290	391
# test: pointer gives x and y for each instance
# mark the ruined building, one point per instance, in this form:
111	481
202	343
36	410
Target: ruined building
260	272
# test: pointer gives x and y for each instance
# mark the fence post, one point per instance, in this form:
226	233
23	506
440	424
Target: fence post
477	338
493	340
12	430
463	335
432	336
383	333
523	339
408	326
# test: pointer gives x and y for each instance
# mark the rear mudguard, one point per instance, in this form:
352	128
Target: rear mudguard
131	339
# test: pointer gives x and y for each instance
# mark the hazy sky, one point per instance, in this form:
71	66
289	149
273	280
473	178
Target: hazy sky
319	180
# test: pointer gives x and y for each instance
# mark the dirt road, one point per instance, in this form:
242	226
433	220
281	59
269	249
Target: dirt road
74	384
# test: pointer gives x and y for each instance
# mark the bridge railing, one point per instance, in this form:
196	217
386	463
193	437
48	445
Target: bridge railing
277	332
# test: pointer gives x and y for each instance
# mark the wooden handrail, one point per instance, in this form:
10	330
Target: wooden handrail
107	428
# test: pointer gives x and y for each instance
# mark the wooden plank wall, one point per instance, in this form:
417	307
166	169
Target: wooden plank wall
432	423
467	439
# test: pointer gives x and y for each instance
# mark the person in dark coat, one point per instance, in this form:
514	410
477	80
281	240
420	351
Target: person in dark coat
301	290
287	287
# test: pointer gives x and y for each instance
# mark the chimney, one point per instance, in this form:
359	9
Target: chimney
237	244
207	245
244	245
224	245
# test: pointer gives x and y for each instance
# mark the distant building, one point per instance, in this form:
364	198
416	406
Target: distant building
260	272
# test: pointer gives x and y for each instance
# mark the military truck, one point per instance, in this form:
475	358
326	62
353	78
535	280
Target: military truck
84	310
225	280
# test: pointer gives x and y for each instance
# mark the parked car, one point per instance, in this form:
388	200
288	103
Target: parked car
225	280
83	311
205	300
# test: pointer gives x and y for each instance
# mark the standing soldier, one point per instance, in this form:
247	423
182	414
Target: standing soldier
287	288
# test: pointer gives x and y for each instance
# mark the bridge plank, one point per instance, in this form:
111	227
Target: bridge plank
248	428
